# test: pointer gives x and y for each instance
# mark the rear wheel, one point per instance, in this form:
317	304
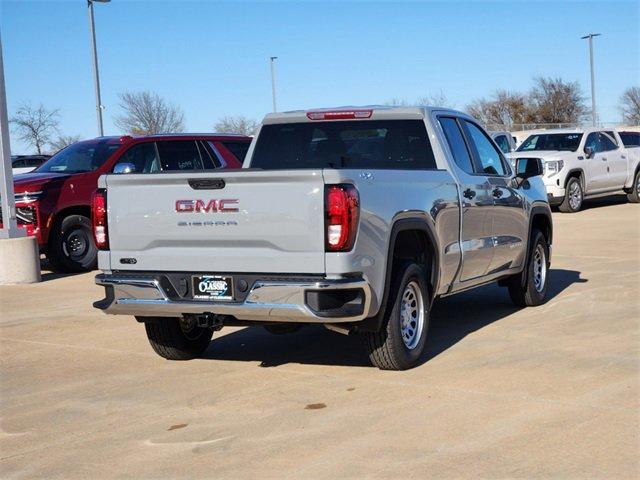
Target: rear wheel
402	339
529	288
177	338
634	194
573	196
71	248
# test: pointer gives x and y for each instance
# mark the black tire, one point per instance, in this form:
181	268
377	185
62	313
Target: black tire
174	339
71	246
283	328
572	204
388	350
529	288
634	195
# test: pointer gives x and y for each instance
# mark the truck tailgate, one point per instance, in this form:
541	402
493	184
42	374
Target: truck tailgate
233	221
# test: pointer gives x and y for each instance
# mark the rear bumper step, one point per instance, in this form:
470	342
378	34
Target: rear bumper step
313	301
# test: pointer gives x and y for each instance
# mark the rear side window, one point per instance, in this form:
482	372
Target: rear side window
456	144
375	144
179	155
630	139
19	163
34	162
239	149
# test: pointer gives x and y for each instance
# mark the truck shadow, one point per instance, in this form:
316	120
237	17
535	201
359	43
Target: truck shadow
47	273
452	320
608	201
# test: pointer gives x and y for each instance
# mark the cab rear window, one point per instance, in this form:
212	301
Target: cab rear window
372	144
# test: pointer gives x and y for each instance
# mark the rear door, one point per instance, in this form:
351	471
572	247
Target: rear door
226	222
616	159
477	204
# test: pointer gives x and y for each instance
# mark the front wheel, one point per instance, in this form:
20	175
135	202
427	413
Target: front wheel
573	196
529	288
176	338
402	339
71	248
634	195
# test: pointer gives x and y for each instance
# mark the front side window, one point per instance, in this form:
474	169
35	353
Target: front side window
143	156
592	142
607	141
568	142
456	144
503	143
375	144
488	156
79	158
179	155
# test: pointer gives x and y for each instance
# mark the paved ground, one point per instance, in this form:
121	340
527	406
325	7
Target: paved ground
546	392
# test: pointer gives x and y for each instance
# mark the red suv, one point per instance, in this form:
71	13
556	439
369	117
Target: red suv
54	201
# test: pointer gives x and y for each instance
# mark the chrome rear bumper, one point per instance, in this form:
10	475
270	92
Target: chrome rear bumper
267	301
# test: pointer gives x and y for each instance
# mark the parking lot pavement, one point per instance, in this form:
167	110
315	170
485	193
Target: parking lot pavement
550	391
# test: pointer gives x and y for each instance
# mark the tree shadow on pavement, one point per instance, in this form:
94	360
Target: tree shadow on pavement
452	319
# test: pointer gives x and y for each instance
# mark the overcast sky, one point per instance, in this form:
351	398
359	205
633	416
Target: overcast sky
211	58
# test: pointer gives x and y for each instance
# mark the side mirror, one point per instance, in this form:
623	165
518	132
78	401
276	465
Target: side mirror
124	168
588	151
529	167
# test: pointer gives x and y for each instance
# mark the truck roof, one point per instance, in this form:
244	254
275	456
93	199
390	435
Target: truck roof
365	112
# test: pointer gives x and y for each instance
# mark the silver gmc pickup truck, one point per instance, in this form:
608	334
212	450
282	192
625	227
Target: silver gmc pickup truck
354	218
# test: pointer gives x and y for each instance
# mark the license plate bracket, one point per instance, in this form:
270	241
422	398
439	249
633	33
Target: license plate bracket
212	287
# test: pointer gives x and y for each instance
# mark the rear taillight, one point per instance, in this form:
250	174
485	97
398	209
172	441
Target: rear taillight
342	208
99	219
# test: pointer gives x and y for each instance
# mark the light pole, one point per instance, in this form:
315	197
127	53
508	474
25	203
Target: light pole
273	82
594	114
19	255
94	52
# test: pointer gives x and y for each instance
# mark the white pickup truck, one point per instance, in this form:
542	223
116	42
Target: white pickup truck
583	163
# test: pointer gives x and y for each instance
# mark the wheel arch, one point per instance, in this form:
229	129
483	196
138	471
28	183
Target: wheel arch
577	173
60	215
408	233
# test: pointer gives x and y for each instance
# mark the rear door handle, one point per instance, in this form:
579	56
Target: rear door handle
468	193
604	159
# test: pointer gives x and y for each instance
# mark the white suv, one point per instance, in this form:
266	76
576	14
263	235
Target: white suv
581	163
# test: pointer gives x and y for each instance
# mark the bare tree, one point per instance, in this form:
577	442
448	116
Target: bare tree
396	102
63	141
436	99
555	101
35	125
504	108
147	113
237	124
630	105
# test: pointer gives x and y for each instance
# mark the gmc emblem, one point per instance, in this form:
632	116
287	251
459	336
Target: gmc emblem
202	206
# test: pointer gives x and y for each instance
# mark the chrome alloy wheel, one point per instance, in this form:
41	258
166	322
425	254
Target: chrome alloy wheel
539	269
575	195
638	185
411	315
